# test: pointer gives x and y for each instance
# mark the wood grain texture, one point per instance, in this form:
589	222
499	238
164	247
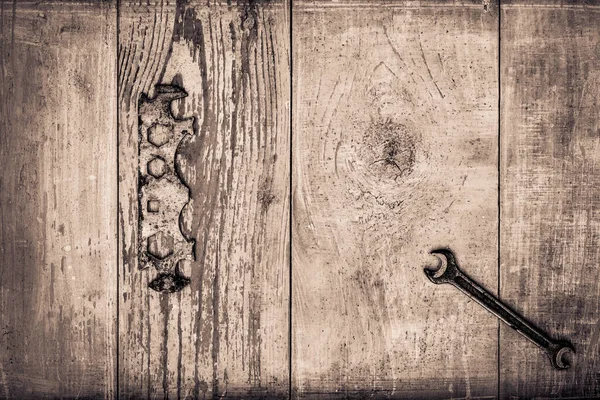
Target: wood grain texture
226	334
550	193
394	154
57	200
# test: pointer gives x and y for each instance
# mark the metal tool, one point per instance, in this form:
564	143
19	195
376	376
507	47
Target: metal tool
447	271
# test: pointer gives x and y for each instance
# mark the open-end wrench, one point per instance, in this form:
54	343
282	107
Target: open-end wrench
447	271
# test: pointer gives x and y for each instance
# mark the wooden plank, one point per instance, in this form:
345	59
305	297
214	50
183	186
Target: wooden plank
394	154
550	204
226	332
57	200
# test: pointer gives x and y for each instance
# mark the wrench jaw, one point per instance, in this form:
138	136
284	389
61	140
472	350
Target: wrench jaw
446	270
557	352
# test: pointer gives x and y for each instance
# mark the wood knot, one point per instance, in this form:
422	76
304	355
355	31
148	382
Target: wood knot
389	149
265	195
248	22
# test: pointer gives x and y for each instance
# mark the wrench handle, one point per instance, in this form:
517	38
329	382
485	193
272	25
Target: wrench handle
496	307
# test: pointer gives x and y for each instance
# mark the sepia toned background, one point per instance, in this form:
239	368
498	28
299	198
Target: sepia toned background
336	143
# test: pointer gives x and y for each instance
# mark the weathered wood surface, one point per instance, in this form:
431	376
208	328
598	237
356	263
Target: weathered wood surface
550	132
57	200
226	334
394	154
